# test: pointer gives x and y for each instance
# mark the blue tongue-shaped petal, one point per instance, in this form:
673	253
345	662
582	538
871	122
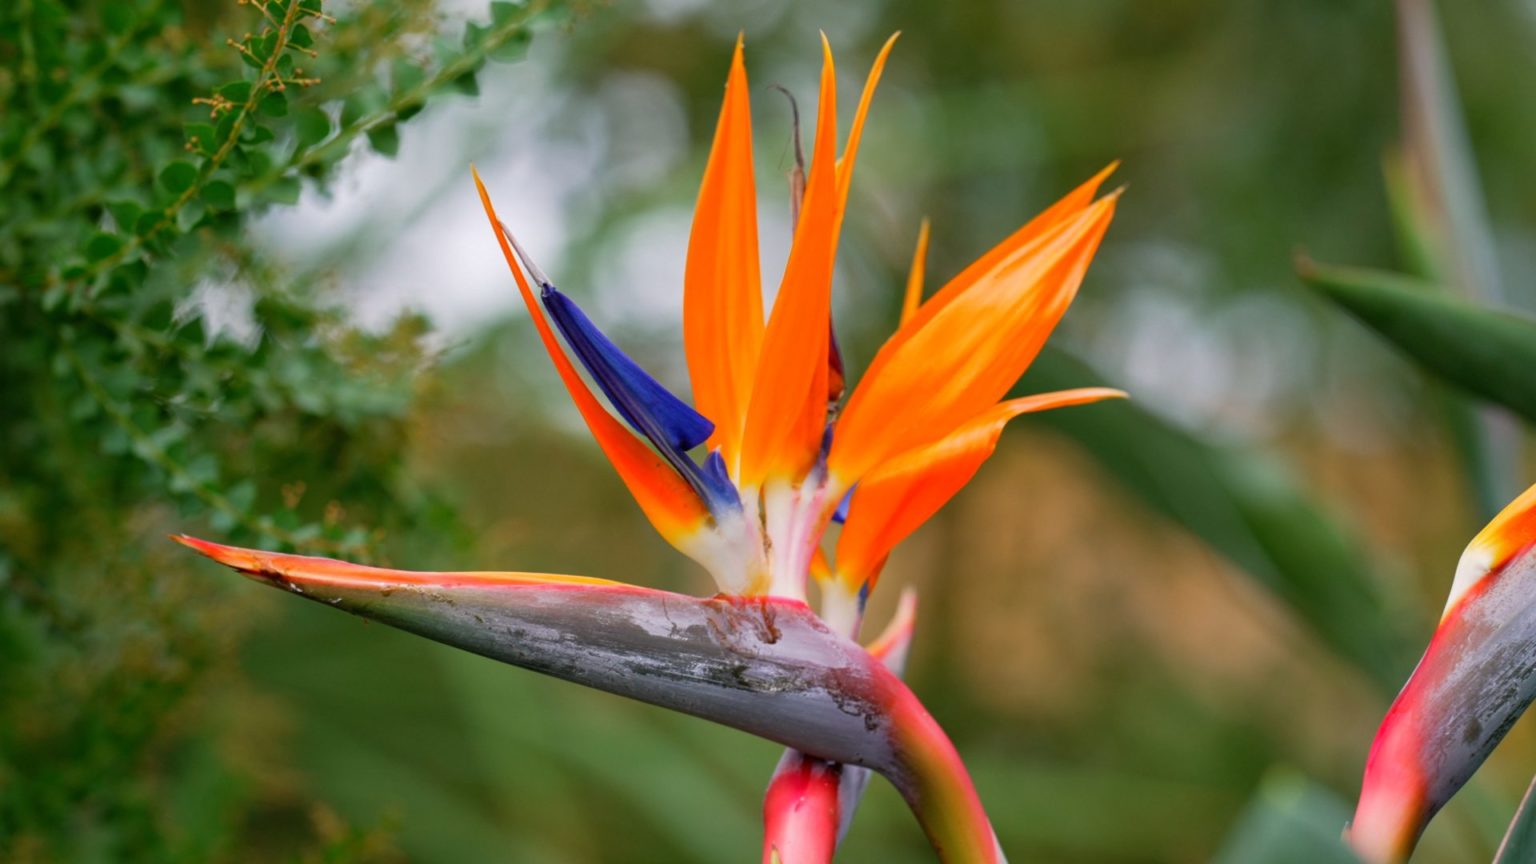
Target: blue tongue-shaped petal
840	515
671	426
669	422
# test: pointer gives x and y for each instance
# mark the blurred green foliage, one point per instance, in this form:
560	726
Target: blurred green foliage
1520	843
1290	821
1481	351
138	142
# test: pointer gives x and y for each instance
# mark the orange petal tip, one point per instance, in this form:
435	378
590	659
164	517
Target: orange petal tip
1510	533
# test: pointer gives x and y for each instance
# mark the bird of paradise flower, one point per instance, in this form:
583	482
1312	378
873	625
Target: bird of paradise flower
782	457
1477	676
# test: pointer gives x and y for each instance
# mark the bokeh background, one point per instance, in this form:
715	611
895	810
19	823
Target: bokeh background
1152	629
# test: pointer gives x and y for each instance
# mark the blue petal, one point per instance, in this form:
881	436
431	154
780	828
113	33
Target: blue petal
669	422
840	515
718	490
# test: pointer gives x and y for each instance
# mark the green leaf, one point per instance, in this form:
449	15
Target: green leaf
1519	844
147	223
1443	223
274	104
178	177
190	214
362	104
125	213
1411	219
201	137
1484	352
224	128
283	190
474	34
503	12
1290	821
251	59
385	139
408	109
258	162
301	37
511	49
130	276
466	84
406	75
256	133
311	126
1436	138
219	195
119	17
263	46
236	91
102	246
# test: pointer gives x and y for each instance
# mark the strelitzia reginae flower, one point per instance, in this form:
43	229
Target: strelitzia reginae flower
746	480
1476	678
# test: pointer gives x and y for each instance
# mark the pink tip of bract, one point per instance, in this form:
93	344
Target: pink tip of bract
244	560
800	812
1391	813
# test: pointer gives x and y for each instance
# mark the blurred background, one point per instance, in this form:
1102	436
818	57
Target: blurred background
1156	631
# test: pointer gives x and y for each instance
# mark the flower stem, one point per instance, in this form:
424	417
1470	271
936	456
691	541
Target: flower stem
937	787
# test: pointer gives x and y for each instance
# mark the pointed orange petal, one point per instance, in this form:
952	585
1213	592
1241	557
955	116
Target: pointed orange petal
914	295
789	395
722	294
890	647
1510	533
965	347
821	570
1069	205
667	500
856	131
900	495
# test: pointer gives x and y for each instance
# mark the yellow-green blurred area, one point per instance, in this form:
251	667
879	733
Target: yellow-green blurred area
1141	624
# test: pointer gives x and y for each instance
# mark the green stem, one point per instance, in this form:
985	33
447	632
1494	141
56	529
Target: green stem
259	88
417	95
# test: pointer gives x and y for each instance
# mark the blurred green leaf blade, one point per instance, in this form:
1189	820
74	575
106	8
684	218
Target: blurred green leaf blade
1519	844
1483	352
1246	508
1290	821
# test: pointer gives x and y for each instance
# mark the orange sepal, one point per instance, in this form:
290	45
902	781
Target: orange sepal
789	394
895	498
1044	222
668	501
914	295
891	646
966	346
856	131
821	569
722	292
1510	533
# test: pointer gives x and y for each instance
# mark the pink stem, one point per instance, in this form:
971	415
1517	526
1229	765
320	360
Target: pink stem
801	811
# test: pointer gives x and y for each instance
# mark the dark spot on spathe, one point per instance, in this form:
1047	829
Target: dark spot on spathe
1472	732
